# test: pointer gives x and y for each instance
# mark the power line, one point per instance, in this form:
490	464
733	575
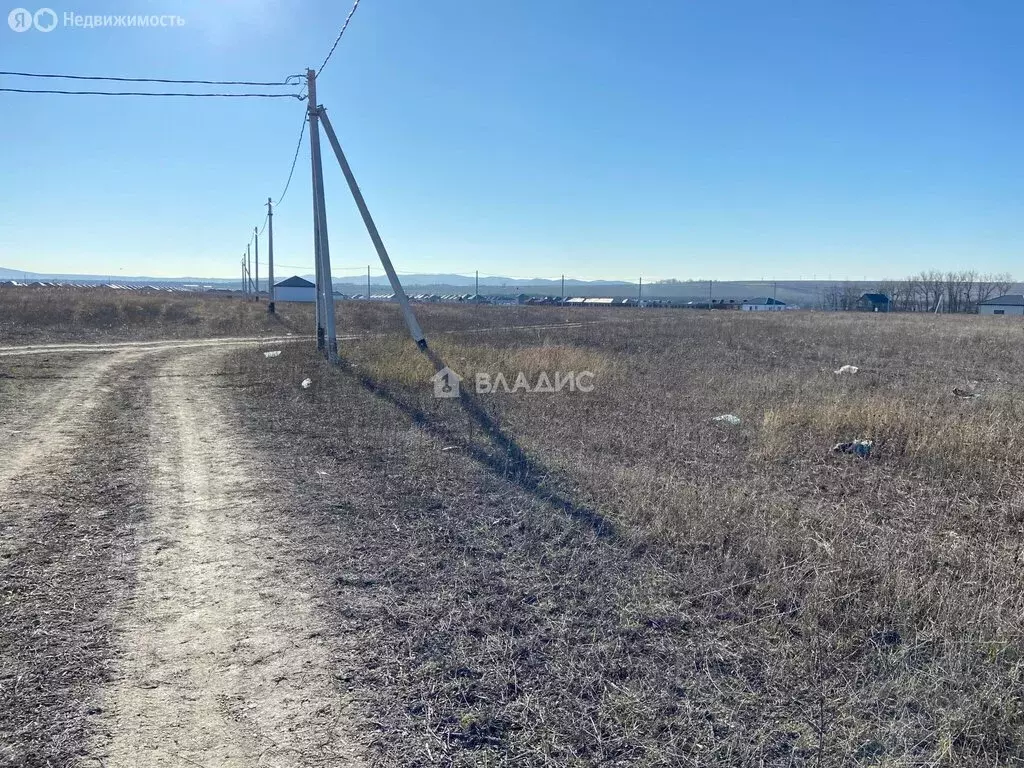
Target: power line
338	38
150	93
295	159
288	183
289	81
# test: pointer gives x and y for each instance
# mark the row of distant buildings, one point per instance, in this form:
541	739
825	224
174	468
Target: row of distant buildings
299	289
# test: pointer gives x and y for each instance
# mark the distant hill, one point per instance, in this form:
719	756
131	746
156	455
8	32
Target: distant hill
21	274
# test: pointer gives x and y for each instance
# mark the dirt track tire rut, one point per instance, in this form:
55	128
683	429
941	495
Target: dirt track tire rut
225	660
155	608
67	509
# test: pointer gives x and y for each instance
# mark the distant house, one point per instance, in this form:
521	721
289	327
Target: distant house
295	288
873	302
1011	304
762	304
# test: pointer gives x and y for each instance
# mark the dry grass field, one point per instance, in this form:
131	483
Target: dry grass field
517	579
759	600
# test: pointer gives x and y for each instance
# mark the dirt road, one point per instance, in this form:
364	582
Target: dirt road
197	638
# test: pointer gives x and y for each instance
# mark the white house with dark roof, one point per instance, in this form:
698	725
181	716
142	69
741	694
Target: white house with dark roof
1011	304
295	288
763	304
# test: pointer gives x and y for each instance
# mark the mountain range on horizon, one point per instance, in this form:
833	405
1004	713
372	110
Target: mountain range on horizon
413	278
799	292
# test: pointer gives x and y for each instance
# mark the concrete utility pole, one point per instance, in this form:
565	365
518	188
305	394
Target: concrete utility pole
270	257
245	289
314	142
248	264
396	285
256	238
640	291
319	313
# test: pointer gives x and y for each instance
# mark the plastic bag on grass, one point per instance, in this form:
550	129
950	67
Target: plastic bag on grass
860	448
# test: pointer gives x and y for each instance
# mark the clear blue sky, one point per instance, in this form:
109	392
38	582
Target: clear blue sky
726	139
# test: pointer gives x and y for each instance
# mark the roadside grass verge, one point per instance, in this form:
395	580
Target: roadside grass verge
34	315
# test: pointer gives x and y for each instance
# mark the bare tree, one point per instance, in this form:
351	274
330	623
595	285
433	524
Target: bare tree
931	288
969	282
850	296
831	297
952	291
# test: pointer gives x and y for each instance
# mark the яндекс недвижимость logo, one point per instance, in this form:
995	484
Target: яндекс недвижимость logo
47	20
22	20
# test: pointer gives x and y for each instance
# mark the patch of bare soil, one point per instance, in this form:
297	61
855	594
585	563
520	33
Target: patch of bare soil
225	656
67	508
52	416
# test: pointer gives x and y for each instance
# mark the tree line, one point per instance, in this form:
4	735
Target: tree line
949	291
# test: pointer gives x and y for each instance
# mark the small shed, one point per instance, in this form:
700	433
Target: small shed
873	302
762	304
1011	304
295	288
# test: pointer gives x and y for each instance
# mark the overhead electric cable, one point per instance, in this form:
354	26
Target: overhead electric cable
338	38
148	93
289	81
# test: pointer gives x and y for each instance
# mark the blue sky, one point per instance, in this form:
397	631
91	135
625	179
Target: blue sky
725	139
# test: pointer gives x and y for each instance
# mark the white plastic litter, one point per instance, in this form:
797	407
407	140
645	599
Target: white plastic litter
848	369
276	353
728	418
307	383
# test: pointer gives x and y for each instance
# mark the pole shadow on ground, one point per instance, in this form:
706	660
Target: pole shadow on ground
507	461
